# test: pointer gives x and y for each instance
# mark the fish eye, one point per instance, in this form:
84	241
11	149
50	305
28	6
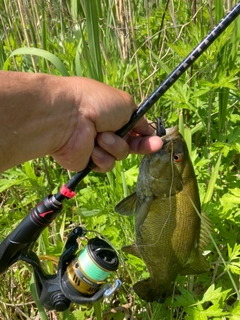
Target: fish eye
177	157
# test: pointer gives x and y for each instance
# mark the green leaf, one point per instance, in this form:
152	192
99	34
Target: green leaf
131	175
40	53
235	312
213	294
8	183
212	183
88	213
30	173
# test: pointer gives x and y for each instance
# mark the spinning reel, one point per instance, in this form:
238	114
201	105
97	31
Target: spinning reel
79	276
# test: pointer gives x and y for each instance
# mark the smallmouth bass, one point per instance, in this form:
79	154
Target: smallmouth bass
170	236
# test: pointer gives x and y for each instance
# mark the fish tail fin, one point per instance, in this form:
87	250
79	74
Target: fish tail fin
148	291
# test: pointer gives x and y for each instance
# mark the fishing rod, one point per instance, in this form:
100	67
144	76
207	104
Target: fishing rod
79	278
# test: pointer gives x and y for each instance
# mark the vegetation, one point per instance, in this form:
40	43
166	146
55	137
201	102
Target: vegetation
132	45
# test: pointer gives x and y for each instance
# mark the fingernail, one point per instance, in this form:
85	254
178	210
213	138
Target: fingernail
108	138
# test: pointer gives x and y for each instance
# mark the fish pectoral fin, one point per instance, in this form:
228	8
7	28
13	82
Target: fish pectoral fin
199	265
132	249
142	211
127	206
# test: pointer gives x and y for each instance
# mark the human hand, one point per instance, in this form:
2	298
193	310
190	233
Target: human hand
100	110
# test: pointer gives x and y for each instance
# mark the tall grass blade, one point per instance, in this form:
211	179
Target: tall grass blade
188	138
219	12
97	310
44	33
40	53
185	132
78	68
223	96
41	310
2	56
93	38
74	10
181	123
124	184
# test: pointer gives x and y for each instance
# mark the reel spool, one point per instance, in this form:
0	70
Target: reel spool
88	271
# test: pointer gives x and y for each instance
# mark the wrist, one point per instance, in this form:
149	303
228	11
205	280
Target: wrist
37	116
64	112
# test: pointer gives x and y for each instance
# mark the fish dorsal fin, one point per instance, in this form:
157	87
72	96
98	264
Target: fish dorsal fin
199	264
205	231
127	206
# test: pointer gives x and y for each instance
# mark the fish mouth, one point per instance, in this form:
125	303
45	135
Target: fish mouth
171	134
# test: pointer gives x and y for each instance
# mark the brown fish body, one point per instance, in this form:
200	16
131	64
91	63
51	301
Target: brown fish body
167	225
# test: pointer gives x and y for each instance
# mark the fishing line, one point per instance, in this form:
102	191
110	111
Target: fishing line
170	200
215	245
170	189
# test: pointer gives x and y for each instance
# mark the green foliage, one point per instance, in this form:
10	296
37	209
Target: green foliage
132	45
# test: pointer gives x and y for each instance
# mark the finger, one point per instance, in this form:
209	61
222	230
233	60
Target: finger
104	161
144	145
143	127
75	154
113	144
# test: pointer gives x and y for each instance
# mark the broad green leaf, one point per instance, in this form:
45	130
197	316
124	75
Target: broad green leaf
131	175
235	312
235	192
213	294
195	314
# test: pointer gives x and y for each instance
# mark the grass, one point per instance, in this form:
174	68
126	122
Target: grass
132	45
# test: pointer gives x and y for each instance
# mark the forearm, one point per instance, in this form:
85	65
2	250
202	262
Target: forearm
31	108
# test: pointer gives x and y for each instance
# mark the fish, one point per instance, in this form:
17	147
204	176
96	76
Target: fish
171	233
